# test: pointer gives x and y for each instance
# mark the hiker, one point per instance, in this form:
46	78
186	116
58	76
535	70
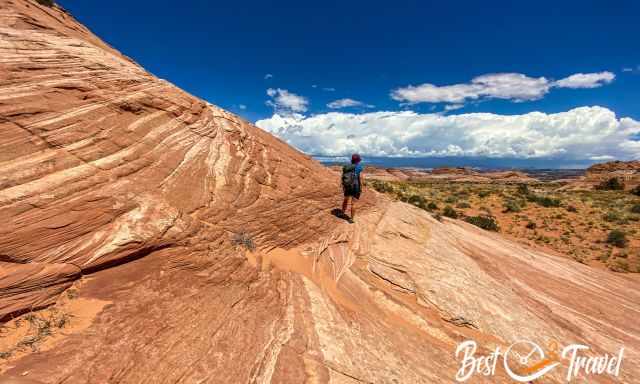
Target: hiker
352	183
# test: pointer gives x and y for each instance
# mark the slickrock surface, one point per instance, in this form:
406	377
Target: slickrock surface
101	162
118	180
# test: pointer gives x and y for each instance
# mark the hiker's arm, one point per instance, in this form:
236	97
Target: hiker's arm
362	181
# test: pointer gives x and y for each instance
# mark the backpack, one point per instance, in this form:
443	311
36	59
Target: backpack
349	178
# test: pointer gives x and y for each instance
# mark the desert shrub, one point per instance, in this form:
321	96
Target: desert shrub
605	256
48	3
571	208
636	191
432	206
483	193
612	217
381	186
612	184
243	239
450	212
450	199
617	238
417	201
619	265
531	225
512	206
635	208
463	204
485	222
544	201
523	189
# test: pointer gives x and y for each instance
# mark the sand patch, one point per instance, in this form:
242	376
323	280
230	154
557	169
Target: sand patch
41	330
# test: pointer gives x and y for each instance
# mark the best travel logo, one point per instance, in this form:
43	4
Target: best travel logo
525	361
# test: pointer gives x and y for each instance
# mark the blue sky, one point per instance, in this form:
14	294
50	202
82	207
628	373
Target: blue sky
379	55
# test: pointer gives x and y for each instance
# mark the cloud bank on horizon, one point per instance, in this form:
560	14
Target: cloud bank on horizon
585	133
508	86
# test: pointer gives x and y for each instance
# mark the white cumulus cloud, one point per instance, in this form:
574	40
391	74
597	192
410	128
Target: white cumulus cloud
586	80
514	86
286	102
346	103
453	107
509	86
581	133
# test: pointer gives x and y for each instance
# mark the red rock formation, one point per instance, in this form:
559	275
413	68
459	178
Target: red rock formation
627	171
102	162
615	166
114	175
453	171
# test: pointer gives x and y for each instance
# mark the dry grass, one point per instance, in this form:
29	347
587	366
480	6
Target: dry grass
39	326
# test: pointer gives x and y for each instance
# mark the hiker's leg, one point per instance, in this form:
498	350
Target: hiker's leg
353	208
345	202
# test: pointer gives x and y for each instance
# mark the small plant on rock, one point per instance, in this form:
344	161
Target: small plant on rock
243	239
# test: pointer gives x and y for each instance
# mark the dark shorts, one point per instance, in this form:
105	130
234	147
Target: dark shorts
352	192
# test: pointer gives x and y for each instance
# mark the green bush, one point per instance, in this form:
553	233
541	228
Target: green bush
417	201
613	184
635	208
617	238
485	222
450	212
544	201
463	204
531	225
512	206
432	206
636	191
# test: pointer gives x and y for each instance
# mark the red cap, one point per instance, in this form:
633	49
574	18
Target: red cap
355	158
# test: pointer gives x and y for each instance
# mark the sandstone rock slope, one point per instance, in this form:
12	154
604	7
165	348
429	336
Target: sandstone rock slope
214	244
